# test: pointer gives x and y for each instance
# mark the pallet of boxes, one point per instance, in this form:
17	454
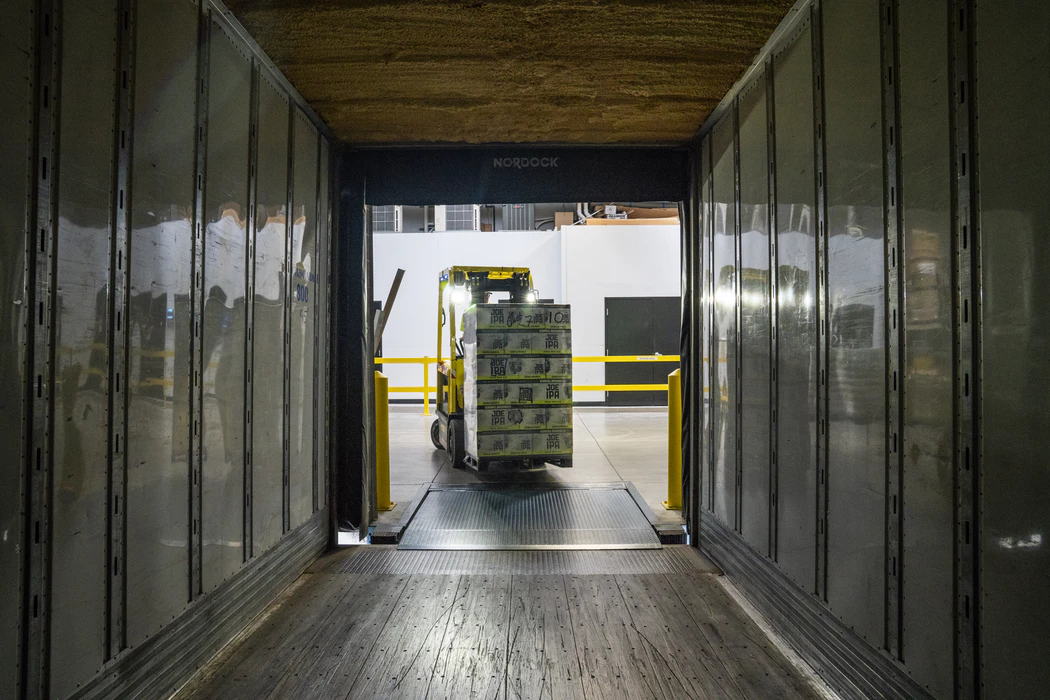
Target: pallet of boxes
517	359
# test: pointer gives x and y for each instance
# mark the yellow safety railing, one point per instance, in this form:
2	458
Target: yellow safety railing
425	389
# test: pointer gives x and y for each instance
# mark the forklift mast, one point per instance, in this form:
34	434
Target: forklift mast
466	286
462	287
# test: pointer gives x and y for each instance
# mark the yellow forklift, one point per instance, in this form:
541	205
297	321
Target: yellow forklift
461	287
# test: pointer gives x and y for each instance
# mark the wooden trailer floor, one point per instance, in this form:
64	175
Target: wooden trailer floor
375	622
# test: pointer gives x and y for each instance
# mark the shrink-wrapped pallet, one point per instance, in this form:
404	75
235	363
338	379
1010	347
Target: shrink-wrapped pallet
518	382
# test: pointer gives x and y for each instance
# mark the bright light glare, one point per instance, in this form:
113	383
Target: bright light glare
531	297
725	297
460	296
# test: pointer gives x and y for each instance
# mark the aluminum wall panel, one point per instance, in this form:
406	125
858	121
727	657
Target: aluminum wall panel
856	300
724	329
81	425
66	144
927	339
225	214
754	317
321	328
303	299
159	317
268	377
15	183
693	285
1013	132
707	332
687	349
796	312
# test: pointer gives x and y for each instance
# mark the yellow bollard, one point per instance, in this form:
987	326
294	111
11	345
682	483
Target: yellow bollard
674	441
426	386
383	443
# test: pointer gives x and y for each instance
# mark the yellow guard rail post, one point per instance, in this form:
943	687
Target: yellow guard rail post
426	386
383	443
674	441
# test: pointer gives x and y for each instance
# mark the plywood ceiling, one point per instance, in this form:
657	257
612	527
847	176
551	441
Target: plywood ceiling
569	71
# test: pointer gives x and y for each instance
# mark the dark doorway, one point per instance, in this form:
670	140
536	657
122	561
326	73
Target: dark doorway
452	175
640	326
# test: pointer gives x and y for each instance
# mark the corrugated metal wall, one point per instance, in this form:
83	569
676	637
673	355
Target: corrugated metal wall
871	284
16	138
165	241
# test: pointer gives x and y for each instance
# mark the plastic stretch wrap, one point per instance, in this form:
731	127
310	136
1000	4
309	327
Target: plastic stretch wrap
517	361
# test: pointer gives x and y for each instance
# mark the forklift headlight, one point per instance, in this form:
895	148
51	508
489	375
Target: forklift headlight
460	296
531	297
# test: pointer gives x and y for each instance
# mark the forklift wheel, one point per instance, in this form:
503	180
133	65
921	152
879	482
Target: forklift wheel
456	444
435	434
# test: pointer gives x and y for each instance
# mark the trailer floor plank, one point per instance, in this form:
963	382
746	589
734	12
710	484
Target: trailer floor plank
542	662
254	664
402	660
337	660
684	660
472	662
611	652
376	622
758	667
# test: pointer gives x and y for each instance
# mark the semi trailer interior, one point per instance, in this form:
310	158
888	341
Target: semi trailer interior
188	342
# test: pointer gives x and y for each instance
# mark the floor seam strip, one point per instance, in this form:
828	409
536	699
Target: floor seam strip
596	442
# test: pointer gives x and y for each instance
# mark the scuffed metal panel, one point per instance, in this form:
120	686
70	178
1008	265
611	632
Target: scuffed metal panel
724	340
159	316
66	144
81	365
268	372
892	213
694	425
707	324
856	300
927	573
321	339
303	298
161	666
797	312
15	182
40	328
853	669
755	318
821	211
223	331
1013	244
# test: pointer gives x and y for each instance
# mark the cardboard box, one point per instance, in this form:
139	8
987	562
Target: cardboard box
651	212
523	367
523	393
515	316
519	445
517	362
498	342
563	218
513	418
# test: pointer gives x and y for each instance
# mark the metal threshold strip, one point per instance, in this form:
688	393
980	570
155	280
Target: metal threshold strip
530	518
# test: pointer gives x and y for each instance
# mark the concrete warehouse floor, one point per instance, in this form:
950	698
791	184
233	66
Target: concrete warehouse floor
571	71
609	445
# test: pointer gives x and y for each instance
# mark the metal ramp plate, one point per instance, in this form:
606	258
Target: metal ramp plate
529	518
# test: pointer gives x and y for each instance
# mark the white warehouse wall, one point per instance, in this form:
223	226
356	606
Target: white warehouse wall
613	261
579	265
412	328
